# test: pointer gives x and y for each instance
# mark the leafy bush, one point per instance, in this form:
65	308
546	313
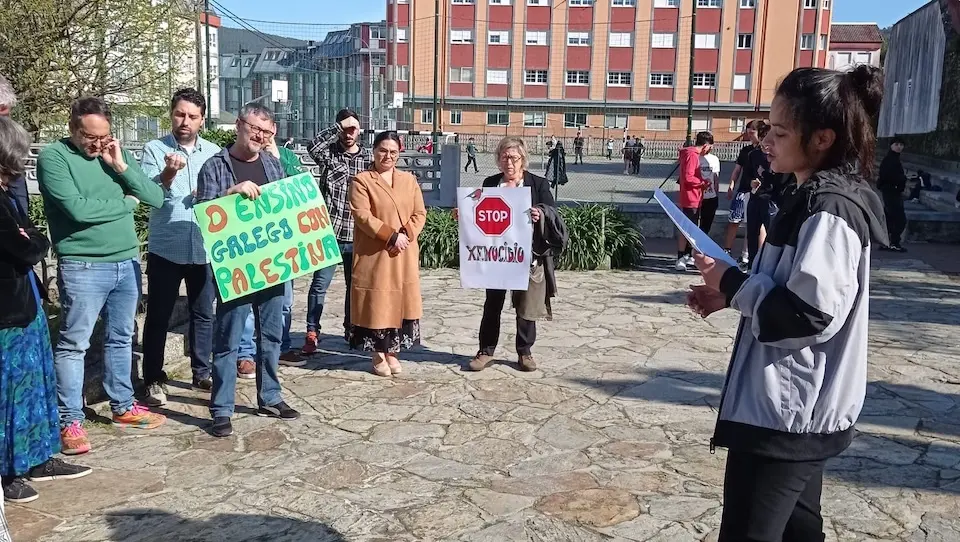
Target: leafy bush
219	136
440	240
600	235
141	217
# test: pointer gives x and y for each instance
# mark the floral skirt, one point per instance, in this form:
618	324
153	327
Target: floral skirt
390	341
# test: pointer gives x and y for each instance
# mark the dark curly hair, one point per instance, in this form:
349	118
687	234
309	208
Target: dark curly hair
192	96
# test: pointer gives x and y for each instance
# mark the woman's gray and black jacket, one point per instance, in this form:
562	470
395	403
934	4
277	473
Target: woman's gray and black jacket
798	373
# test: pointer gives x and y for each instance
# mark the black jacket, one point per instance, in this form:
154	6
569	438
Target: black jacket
557	166
18	187
892	179
18	255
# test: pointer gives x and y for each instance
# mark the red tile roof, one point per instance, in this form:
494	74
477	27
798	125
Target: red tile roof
855	33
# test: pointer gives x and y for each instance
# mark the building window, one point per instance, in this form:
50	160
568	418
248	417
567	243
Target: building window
578	38
537	2
461	1
574	120
535	77
497	77
536	37
709	3
578	78
658	122
498	37
664	41
235	62
500	2
619	79
826	4
534	119
738	125
461	36
426	116
666	3
744	41
403	73
806	42
748	3
741	82
863	58
809	4
461	75
377	33
706	41
401	35
823	42
700	124
580	2
498	118
456	116
661	79
621	39
704	80
624	3
615	121
248	62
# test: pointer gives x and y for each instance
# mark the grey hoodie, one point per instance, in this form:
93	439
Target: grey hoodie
798	373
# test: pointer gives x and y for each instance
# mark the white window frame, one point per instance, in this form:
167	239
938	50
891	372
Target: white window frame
662	38
580	3
807	42
748	4
424	116
705	80
500	2
498	113
810	4
706	41
741	81
624	3
666	3
616	124
824	42
742	38
533	116
378	33
461	1
578	39
537	2
855	60
460	77
506	77
738	125
502	35
403	73
657	127
709	3
539	77
826	4
622	79
661	78
461	36
617	39
581	78
701	124
402	35
456	116
576	117
536	34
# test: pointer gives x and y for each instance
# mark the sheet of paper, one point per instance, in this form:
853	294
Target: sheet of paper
700	241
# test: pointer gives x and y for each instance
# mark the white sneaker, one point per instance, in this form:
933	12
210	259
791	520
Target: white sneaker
681	264
688	259
156	395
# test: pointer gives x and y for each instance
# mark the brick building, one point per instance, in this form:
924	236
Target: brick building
549	66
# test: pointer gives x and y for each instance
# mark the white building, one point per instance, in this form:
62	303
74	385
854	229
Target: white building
852	44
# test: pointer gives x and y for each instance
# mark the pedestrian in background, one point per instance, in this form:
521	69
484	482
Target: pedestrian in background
578	148
892	181
471	157
710	171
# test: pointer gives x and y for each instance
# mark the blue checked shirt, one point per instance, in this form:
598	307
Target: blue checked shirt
337	170
216	175
174	234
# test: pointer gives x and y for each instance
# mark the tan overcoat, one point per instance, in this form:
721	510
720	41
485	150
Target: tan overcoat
386	289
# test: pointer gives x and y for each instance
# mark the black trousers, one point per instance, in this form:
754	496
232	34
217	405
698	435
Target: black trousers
758	214
490	326
471	160
896	217
708	212
694	215
163	283
769	500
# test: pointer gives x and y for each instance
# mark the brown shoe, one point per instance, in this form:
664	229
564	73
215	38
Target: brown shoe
527	363
246	369
292	358
480	361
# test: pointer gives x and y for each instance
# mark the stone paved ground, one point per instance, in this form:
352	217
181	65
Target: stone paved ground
607	442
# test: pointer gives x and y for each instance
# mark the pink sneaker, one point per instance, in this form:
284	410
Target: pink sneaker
73	439
139	417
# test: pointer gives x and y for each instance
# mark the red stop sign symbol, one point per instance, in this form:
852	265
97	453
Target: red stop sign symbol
493	215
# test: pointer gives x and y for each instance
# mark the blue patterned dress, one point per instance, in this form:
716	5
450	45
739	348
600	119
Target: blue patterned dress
30	430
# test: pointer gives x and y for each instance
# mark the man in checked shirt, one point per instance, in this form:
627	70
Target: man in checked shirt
340	155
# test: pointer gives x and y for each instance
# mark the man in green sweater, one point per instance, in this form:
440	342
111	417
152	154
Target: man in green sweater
90	187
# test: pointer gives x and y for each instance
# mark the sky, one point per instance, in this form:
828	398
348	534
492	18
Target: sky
342	12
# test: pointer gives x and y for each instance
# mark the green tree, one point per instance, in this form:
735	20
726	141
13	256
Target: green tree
130	52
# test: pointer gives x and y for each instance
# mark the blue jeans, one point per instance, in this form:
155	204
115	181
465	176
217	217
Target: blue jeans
318	290
267	307
86	289
248	350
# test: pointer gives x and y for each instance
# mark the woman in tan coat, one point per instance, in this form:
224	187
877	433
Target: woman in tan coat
385	302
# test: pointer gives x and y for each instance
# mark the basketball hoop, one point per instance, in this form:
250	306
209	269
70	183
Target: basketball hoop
278	91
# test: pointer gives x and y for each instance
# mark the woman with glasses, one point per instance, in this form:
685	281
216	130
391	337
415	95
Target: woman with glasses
385	302
513	162
29	425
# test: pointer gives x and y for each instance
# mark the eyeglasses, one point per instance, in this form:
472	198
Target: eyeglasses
94	139
385	152
512	158
258	130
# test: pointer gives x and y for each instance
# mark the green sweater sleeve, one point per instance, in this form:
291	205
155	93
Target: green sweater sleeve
58	188
139	185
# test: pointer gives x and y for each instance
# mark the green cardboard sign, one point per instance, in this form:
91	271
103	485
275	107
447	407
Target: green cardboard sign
256	244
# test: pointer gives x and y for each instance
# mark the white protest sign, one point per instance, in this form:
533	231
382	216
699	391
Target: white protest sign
700	241
496	235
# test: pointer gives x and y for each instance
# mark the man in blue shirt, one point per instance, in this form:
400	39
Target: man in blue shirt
175	250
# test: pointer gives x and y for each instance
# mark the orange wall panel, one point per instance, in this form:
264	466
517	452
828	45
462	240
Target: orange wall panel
499	56
660	94
461	54
747	18
534	91
578	58
462	15
706	60
663	60
461	89
577	92
537	57
497	91
744	61
741	96
809	24
618	93
806	59
666	19
580	19
500	18
622	19
708	20
403	15
620	59
538	17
